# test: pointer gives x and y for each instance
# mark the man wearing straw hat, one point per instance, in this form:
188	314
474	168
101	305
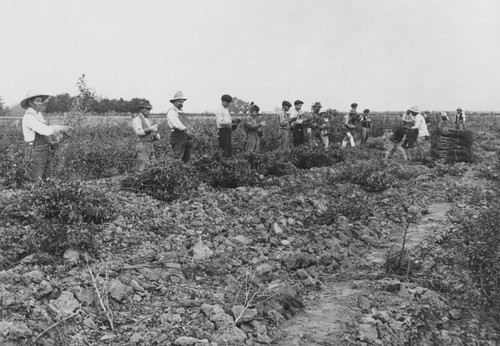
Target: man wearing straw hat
180	130
39	147
421	126
146	135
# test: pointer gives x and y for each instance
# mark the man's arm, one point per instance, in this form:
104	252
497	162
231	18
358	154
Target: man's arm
174	121
45	130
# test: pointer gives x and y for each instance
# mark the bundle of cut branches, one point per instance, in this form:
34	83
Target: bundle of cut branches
452	145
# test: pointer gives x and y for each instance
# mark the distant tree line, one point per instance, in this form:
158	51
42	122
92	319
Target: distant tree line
64	103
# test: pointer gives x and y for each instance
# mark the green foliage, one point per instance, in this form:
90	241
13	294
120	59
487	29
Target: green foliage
370	175
219	172
11	167
166	182
307	157
270	164
482	240
57	217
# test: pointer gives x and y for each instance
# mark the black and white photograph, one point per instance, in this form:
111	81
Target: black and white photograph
246	173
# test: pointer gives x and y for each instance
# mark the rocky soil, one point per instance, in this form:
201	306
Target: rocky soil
298	260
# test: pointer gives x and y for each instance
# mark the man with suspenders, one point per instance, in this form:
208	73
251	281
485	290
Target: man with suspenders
181	132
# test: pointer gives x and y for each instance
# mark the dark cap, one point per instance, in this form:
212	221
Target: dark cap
255	109
226	98
354	104
366	111
298	102
286	103
145	104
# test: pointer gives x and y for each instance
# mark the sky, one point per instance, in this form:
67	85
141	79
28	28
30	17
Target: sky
386	55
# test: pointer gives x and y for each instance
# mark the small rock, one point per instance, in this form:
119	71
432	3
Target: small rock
119	291
71	256
455	314
243	315
201	251
89	322
135	338
14	330
135	285
364	303
222	320
367	332
277	229
263	269
187	341
211	310
242	240
231	336
35	276
65	304
30	259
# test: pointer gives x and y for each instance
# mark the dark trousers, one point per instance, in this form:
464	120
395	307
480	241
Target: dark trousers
38	161
298	135
225	141
181	145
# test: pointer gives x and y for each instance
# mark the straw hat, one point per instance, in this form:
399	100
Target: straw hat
178	96
414	109
30	95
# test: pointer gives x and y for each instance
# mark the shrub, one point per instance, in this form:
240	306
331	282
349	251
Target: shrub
370	175
216	171
270	163
482	240
166	182
59	216
306	157
12	167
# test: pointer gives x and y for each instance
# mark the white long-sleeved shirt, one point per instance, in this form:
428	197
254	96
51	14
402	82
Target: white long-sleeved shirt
137	125
420	125
34	122
173	120
223	117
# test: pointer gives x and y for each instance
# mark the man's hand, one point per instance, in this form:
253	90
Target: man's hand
154	128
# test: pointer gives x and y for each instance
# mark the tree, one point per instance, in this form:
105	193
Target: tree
3	111
85	97
59	103
238	107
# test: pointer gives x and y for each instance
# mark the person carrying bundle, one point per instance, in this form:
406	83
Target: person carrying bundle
252	127
40	148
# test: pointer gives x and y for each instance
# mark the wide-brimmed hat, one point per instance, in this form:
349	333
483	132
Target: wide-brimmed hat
414	109
32	94
145	104
317	104
459	109
178	96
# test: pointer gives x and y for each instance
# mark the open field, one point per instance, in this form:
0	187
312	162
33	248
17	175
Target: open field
300	247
